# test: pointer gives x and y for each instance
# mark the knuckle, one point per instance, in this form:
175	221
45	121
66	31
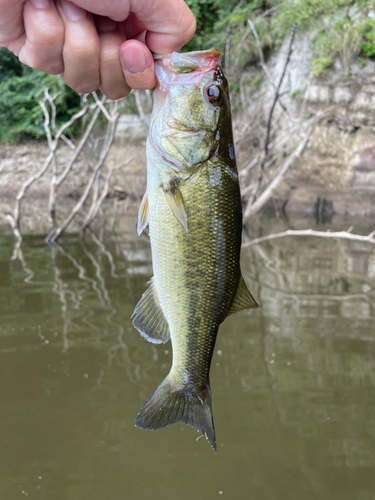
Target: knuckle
188	33
83	50
51	34
52	67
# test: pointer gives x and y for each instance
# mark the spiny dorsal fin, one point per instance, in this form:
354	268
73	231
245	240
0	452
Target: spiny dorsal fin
243	299
149	318
176	204
143	214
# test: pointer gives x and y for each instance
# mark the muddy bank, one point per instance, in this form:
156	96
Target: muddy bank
335	174
18	162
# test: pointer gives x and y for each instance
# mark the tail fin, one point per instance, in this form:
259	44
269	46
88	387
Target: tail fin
170	404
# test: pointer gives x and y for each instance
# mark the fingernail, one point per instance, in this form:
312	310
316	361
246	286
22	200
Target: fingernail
133	64
141	81
72	11
40	4
104	24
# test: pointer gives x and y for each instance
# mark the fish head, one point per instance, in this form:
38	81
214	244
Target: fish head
191	104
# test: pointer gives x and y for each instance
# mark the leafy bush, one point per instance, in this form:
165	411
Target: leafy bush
21	89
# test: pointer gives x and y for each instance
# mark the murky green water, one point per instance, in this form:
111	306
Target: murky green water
293	383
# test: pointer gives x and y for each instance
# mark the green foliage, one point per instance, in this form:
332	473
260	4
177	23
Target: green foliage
341	27
9	65
368	44
346	38
21	89
206	15
368	48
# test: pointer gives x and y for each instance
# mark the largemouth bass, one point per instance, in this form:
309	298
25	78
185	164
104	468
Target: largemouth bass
193	208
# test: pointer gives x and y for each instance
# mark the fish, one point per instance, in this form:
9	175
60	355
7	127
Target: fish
192	206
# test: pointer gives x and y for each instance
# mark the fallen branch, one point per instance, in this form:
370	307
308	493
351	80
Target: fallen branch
253	208
347	235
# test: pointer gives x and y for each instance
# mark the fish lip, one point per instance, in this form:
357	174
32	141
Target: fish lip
194	53
187	65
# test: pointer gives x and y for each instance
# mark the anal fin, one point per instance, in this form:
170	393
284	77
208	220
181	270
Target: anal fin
143	214
243	299
149	318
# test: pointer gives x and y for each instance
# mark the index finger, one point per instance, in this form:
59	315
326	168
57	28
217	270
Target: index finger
169	23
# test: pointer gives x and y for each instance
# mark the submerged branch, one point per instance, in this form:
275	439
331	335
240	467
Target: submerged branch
347	235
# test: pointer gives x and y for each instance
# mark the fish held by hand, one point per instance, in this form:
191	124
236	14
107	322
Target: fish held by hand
193	208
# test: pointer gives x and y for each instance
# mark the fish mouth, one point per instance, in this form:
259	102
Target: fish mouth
189	62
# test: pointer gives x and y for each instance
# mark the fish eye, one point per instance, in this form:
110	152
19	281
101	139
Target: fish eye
213	93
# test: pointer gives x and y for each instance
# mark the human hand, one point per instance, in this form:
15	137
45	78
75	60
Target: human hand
94	43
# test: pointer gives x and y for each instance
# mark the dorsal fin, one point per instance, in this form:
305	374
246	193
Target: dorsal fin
149	318
243	299
176	204
143	214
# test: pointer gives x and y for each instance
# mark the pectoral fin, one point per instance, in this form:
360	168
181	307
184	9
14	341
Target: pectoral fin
176	204
149	318
243	299
143	214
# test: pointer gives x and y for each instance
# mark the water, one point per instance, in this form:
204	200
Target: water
292	383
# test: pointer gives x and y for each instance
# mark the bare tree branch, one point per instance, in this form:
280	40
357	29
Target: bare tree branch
277	90
53	144
268	74
139	105
14	220
95	207
79	148
100	104
251	209
258	181
105	149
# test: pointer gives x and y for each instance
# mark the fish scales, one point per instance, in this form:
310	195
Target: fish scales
197	286
193	208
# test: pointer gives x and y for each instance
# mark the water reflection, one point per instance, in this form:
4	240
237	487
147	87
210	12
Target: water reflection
293	382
